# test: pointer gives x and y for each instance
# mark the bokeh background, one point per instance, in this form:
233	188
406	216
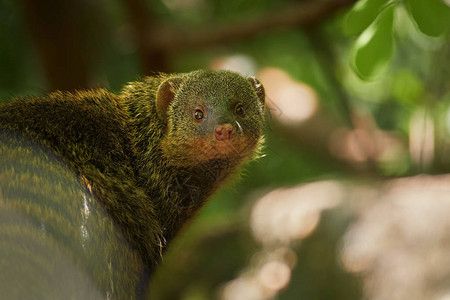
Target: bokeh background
350	200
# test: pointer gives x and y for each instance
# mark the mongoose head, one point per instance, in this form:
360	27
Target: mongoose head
210	115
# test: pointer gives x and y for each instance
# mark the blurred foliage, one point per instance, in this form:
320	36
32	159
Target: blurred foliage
381	61
374	47
373	21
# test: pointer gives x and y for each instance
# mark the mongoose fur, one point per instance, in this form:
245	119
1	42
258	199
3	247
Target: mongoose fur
147	159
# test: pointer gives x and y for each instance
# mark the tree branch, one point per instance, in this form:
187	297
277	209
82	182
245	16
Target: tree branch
142	23
58	33
155	44
304	14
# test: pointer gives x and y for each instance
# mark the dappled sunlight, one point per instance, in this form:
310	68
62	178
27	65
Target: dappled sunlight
361	145
285	215
265	279
279	219
240	63
400	241
421	138
367	143
292	102
274	275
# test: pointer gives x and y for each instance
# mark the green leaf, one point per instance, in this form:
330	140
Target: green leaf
374	47
431	16
362	15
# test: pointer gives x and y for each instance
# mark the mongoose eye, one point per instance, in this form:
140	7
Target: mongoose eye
198	114
240	111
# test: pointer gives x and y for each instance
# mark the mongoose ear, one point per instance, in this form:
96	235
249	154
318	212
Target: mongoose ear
259	89
165	95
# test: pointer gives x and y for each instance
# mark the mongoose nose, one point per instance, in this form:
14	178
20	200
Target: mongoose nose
224	132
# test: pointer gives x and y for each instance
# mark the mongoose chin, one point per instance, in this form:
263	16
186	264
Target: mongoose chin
105	181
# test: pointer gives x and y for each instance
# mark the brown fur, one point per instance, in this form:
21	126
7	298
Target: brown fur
141	153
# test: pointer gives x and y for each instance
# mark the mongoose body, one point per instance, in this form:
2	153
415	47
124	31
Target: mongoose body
125	171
